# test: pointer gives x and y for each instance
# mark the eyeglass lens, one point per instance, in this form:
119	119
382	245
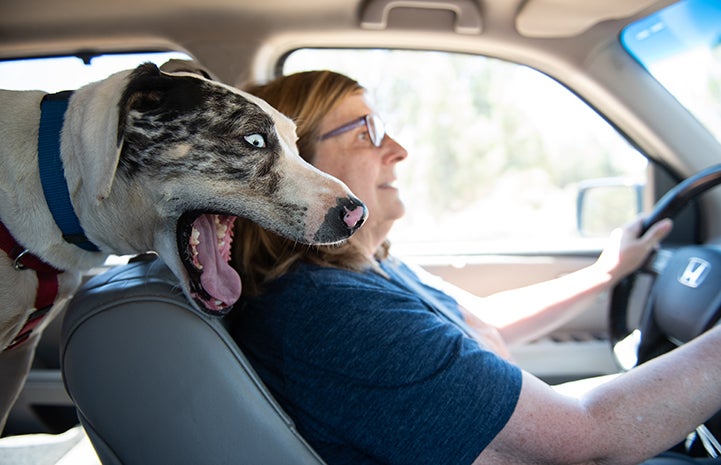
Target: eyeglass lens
376	129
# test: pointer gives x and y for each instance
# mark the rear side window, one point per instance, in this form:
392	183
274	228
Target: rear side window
54	74
498	152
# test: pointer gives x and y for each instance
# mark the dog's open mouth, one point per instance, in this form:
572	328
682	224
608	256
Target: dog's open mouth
204	242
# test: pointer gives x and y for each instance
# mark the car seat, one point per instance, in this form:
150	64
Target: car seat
156	381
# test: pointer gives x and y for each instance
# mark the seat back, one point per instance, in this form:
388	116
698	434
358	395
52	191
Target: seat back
156	381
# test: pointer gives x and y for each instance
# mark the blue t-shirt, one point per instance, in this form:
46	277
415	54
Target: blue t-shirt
370	374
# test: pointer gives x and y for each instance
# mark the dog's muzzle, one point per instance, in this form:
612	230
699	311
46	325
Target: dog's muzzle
342	221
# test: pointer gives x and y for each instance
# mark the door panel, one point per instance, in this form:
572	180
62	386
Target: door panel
578	349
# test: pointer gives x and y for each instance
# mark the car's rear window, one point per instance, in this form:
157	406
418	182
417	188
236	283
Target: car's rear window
54	74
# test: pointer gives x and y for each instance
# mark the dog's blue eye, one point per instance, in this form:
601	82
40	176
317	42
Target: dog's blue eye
256	140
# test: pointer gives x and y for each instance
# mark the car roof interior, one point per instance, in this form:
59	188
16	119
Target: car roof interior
224	34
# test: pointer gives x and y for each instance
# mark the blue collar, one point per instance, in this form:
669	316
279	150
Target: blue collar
52	173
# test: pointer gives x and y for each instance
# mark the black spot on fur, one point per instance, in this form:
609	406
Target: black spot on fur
149	90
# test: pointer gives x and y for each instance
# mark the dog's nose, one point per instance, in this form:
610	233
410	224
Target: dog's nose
354	213
342	220
354	216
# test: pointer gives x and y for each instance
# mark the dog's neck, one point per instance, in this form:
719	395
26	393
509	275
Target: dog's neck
52	173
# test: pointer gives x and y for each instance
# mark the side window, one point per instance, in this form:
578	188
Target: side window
498	152
55	74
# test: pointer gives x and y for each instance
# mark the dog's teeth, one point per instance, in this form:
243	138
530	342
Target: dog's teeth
194	241
194	235
218	303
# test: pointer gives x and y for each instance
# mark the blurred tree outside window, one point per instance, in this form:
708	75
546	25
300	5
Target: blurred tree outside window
497	150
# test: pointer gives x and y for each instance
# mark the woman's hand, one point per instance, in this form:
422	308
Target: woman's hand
521	315
625	252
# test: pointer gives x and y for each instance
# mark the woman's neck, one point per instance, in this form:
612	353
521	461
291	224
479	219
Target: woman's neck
369	239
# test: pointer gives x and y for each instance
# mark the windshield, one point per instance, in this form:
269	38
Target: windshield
681	47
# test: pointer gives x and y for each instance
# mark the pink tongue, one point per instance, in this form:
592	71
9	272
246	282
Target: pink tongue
218	278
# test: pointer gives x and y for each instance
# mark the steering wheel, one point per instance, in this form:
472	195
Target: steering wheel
685	298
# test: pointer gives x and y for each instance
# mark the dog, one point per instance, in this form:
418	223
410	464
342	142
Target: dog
144	160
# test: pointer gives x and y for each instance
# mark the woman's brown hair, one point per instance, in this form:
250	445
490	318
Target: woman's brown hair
260	255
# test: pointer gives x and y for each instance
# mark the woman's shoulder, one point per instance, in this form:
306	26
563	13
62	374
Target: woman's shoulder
330	279
311	292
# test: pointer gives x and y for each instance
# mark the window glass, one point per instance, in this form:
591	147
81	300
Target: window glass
681	47
55	74
497	151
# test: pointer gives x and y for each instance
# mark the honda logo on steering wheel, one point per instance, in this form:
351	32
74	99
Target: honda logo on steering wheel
695	273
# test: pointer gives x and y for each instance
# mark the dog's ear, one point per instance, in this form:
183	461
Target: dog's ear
143	92
148	89
187	66
105	105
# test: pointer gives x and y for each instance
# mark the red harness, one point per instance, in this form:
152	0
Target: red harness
47	282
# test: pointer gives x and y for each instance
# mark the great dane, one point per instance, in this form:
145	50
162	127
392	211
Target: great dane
145	160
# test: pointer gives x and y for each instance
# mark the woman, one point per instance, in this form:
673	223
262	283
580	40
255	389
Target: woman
369	362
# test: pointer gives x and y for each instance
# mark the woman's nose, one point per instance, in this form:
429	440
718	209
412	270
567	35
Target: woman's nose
394	152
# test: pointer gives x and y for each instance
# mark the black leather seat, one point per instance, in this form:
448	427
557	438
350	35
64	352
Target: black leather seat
157	382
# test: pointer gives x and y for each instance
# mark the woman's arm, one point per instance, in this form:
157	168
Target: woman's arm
527	313
624	421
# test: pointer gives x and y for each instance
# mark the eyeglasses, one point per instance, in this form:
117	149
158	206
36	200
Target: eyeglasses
375	126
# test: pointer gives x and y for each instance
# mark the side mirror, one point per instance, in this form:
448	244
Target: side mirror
605	204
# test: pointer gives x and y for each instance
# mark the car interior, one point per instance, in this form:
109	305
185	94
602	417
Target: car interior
534	128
